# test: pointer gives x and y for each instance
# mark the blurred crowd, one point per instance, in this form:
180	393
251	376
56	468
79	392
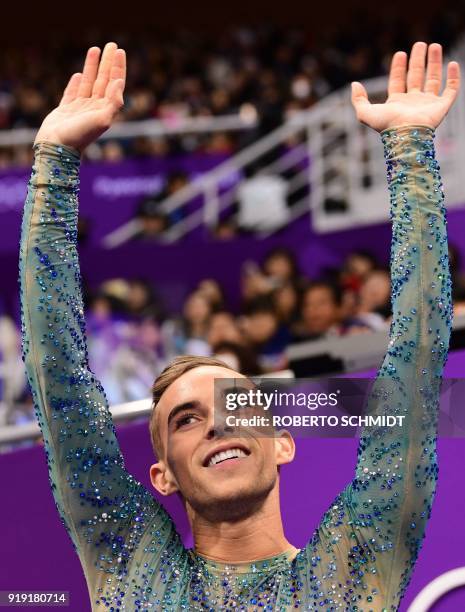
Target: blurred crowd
131	338
264	72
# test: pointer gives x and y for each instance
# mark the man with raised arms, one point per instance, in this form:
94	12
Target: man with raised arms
361	555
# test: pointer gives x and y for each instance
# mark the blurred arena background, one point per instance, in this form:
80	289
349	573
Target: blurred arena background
236	209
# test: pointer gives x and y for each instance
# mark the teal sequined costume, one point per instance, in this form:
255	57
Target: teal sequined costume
362	554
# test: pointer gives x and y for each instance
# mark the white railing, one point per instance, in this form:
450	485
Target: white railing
344	184
218	188
150	128
13	434
436	589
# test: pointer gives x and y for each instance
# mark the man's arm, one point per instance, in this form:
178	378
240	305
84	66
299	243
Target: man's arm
389	501
369	539
105	510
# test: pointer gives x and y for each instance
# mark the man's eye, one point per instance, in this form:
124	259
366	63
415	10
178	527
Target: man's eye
184	420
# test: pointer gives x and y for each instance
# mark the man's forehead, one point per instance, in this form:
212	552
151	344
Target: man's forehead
197	383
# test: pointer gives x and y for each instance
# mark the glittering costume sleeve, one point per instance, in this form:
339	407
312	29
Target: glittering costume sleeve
362	555
124	538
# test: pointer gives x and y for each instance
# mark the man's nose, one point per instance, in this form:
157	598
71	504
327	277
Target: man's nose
218	426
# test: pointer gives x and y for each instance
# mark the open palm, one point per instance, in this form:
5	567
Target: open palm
90	101
413	91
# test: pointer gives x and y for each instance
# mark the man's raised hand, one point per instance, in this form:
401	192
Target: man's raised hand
90	101
413	92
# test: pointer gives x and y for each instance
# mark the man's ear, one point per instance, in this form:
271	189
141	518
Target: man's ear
284	447
162	478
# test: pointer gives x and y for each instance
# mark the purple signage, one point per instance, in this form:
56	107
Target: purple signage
109	192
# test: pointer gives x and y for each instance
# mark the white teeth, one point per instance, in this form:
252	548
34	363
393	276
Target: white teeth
231	453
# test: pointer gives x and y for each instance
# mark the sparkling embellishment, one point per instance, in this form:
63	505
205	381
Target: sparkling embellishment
361	556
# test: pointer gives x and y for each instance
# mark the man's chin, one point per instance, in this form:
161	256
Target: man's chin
231	501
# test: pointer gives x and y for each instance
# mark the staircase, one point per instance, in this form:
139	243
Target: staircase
333	167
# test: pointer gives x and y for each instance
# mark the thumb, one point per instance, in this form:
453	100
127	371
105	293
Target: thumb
359	95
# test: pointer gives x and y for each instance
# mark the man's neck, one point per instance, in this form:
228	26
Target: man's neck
253	538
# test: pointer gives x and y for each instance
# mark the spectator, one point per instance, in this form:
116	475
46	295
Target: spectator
263	73
213	291
188	335
226	229
224	328
253	282
13	379
286	300
356	268
239	357
141	300
281	266
112	151
265	334
374	305
321	312
152	221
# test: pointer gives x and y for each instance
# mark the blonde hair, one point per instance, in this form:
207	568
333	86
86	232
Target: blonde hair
178	367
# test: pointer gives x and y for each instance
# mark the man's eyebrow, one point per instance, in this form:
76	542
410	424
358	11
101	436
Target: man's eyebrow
180	407
240	384
238	389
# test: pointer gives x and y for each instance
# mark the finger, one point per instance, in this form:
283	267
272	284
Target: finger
359	97
398	73
89	72
452	82
118	69
71	89
114	93
104	70
434	69
416	67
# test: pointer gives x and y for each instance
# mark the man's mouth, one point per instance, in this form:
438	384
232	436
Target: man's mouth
228	455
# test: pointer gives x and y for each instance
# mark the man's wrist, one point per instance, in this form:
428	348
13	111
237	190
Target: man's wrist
56	150
412	143
403	129
408	150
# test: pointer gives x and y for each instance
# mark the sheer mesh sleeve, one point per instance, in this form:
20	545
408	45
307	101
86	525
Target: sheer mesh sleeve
363	553
114	523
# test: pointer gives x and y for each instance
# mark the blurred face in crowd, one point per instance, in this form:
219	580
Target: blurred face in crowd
197	308
219	143
359	265
176	181
286	301
229	358
191	436
375	291
349	304
138	296
320	310
279	266
220	100
101	307
211	290
140	103
260	327
223	328
112	151
149	334
225	230
153	225
254	284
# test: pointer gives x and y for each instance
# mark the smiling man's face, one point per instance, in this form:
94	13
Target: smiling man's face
226	488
